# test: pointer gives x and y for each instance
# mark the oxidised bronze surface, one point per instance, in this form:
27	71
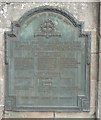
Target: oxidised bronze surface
47	65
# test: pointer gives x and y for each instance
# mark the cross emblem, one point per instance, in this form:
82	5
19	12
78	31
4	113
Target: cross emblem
47	29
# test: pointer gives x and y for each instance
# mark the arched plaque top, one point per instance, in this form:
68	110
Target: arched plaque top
47	8
16	25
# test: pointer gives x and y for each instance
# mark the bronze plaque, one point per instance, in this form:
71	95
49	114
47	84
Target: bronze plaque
47	63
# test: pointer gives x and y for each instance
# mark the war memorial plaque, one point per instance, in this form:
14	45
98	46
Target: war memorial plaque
47	63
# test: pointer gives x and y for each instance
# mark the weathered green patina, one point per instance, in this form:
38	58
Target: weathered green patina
47	63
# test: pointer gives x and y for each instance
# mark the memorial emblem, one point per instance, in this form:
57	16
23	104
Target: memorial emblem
47	59
47	29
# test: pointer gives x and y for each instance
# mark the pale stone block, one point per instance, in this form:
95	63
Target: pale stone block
1	92
99	99
99	67
94	42
93	39
100	43
1	112
88	13
73	115
99	91
93	97
93	83
93	67
99	88
28	114
1	67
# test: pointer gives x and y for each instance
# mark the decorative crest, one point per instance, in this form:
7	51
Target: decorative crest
47	29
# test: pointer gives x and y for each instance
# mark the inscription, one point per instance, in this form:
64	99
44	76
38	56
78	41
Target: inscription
45	85
47	73
23	63
50	97
69	63
23	45
22	77
46	63
57	46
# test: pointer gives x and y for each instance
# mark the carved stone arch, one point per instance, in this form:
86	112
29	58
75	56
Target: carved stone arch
69	38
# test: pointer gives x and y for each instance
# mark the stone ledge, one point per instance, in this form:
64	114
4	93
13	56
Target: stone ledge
72	115
9	114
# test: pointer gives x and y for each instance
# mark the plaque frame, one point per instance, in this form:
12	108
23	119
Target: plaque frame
83	101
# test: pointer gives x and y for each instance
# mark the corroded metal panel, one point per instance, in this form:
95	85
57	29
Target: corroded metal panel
47	63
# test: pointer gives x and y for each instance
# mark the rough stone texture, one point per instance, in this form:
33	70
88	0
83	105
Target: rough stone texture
100	29
94	44
1	73
50	1
87	12
1	113
93	69
93	84
81	11
99	79
99	87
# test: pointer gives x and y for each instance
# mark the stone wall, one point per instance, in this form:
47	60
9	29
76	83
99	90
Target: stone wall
86	12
